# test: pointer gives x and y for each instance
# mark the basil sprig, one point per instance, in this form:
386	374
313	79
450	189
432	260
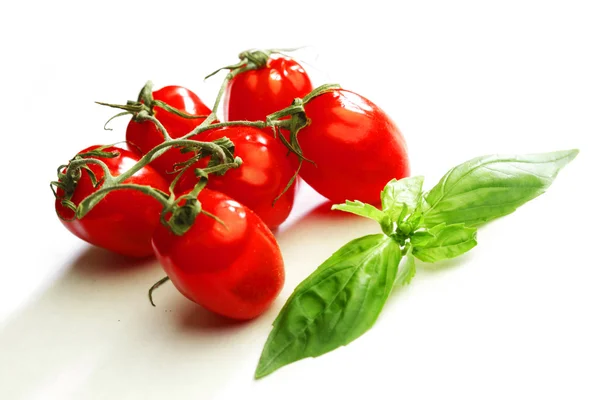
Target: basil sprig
342	299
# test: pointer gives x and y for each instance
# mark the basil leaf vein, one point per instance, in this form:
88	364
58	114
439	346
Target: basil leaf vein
336	304
444	242
359	208
489	187
401	197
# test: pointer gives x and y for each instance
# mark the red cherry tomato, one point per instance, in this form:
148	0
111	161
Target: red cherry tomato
235	269
252	95
124	220
356	147
263	175
144	136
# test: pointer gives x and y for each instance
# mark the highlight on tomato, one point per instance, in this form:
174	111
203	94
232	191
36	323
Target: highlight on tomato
125	219
228	260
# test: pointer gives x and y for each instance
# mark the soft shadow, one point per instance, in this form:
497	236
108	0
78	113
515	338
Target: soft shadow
317	215
434	268
324	210
194	319
427	270
94	263
401	291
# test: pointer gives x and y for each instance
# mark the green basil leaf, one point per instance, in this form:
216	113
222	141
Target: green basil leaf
421	238
362	209
396	194
407	268
444	242
335	305
492	186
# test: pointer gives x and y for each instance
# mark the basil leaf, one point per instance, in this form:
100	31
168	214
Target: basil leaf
335	305
407	268
362	209
492	186
444	242
396	194
421	238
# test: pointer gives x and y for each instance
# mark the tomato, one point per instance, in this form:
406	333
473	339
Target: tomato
265	171
144	136
235	269
254	94
356	147
124	220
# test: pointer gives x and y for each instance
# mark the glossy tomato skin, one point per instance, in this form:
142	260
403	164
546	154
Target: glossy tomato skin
357	148
235	269
144	136
252	95
265	172
124	221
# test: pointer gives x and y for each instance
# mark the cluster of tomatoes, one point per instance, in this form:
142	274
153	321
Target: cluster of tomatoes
228	260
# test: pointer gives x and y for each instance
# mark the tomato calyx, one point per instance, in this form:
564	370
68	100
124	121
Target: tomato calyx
249	60
183	216
297	119
293	119
181	212
146	103
69	175
257	58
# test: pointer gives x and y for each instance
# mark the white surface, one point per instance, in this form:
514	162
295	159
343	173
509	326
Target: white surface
516	318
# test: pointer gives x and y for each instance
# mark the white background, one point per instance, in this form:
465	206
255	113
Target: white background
515	318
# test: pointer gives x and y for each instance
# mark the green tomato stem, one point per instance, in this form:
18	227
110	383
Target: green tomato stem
142	110
87	204
154	287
